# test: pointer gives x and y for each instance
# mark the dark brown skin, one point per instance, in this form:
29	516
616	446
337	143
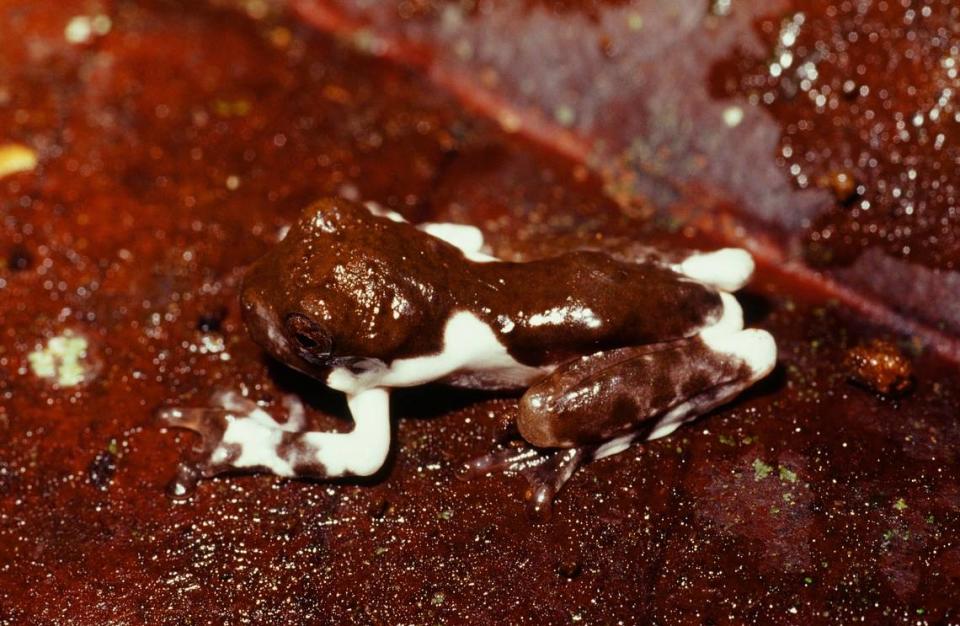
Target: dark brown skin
604	395
333	285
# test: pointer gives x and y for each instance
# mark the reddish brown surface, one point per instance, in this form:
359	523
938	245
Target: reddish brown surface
810	501
753	108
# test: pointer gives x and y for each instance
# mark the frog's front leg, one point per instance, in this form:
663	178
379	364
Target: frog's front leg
239	436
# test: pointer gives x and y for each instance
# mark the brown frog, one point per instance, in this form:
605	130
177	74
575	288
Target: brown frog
609	350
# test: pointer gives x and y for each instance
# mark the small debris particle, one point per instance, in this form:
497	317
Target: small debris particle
438	598
16	158
257	9
19	259
880	366
446	515
281	37
727	441
378	508
232	108
233	182
841	183
732	116
101	470
565	115
212	321
509	122
569	567
81	28
78	30
635	21
720	8
900	504
787	475
63	360
761	470
807	580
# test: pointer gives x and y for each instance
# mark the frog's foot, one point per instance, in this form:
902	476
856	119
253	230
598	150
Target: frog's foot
547	471
237	435
223	428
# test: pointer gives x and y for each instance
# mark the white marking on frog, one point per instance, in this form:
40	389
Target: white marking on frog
469	345
727	269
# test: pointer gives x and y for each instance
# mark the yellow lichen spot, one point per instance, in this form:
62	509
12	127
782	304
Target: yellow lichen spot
62	360
15	158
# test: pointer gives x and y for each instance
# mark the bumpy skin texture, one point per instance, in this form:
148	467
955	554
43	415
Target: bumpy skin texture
384	290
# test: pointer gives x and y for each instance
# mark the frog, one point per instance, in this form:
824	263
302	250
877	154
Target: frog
605	349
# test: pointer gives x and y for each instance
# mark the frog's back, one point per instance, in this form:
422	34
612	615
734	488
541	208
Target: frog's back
584	301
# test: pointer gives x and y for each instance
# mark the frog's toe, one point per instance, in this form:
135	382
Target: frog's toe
205	421
754	347
546	471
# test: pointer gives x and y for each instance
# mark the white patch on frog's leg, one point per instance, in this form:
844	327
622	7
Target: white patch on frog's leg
696	406
469	345
615	446
250	438
755	347
360	452
728	269
731	319
239	406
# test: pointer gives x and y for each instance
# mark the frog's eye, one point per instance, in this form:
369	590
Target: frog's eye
311	338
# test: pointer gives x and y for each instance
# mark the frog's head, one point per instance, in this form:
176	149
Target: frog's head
342	287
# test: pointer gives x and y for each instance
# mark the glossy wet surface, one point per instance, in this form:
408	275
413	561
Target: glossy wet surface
172	146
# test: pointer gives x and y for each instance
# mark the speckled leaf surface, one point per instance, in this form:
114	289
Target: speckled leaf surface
172	141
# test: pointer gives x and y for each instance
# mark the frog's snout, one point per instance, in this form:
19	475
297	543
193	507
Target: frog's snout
312	341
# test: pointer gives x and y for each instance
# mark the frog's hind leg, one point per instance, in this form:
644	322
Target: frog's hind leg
237	435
